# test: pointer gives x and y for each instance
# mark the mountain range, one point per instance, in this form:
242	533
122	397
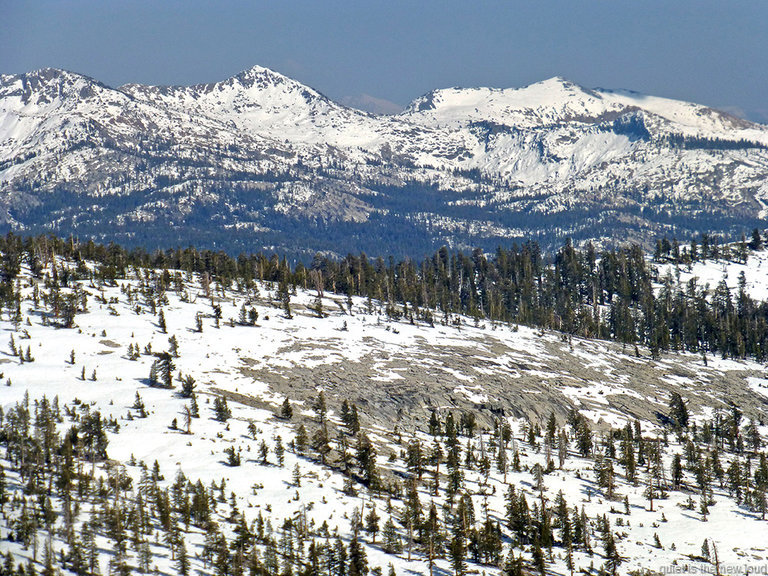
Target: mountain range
261	162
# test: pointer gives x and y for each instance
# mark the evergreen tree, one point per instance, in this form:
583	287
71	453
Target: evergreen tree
372	523
173	346
161	373
358	560
187	386
366	459
678	411
301	440
138	405
221	409
390	539
182	561
286	411
610	551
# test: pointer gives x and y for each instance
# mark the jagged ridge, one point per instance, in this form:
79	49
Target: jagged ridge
262	159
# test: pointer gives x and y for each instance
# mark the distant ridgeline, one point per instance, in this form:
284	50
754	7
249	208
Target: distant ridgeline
606	295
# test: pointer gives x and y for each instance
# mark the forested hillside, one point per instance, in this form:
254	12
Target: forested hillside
184	412
611	294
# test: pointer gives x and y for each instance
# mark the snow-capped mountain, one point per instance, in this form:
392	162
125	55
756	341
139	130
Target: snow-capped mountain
260	161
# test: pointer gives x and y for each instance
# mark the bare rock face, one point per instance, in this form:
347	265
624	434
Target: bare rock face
260	161
493	374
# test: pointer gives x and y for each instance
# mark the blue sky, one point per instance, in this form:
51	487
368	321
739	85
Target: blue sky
714	53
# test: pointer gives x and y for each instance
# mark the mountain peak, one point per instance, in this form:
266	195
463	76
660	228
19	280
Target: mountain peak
45	86
556	81
261	85
555	88
260	75
48	75
553	92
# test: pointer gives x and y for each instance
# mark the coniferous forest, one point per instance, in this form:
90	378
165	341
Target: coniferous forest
606	294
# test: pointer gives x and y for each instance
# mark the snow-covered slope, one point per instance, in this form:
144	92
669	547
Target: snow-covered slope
464	166
558	101
396	373
709	274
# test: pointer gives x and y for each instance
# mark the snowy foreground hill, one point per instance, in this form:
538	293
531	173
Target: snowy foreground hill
259	161
554	451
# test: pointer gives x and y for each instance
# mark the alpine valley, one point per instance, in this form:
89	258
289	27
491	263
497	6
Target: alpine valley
262	162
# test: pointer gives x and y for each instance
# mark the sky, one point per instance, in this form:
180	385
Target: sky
710	52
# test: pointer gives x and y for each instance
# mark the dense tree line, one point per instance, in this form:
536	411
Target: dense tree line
703	143
611	294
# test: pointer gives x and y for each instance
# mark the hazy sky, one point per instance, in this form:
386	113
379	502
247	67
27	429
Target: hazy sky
711	52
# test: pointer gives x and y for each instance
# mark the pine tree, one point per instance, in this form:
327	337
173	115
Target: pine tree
372	523
513	566
340	557
173	346
366	459
49	569
187	386
317	307
562	448
187	420
412	512
301	440
605	475
284	297
390	539
161	372
704	507
538	557
434	424
144	557
584	437
233	456
320	407
182	561
279	451
263	453
415	459
551	430
678	411
431	535
677	471
286	411
354	421
358	560
458	550
628	455
221	409
610	551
